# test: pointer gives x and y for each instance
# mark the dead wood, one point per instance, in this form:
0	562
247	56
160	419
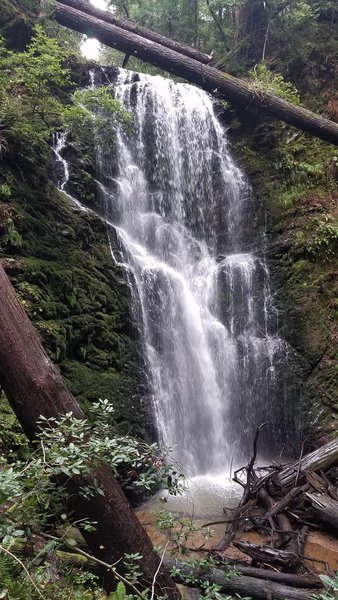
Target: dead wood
287	516
311	581
208	78
233	525
243	585
250	472
108	17
319	460
325	509
246	502
266	500
268	555
278	507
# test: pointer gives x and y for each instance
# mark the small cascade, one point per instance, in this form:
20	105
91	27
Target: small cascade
62	168
59	143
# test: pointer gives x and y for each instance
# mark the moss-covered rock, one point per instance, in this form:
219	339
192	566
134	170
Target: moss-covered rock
77	298
16	22
296	178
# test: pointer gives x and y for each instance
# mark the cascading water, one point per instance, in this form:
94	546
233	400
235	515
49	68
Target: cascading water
182	208
62	168
184	213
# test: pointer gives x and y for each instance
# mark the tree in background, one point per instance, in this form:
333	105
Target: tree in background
242	33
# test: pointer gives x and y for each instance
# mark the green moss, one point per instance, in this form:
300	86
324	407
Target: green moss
296	177
13	442
67	282
15	22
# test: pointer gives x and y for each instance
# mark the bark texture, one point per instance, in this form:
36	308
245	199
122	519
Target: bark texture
34	387
153	36
208	78
325	509
321	459
242	585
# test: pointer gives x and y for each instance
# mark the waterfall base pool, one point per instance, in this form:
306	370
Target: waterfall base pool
203	496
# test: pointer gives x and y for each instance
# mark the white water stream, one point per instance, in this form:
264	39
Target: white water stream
183	210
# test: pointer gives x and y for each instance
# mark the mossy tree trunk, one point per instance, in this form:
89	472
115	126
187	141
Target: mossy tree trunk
34	387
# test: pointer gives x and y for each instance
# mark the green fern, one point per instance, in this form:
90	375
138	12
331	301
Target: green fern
121	593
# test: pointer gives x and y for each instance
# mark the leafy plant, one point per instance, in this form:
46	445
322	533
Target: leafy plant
70	447
33	497
180	529
132	566
96	110
331	585
29	112
12	237
325	243
5	191
121	593
268	81
190	572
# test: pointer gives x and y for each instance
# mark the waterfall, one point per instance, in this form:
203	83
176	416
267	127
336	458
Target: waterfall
62	169
193	253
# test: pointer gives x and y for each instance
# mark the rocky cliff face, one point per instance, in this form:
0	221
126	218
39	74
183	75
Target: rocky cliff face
60	265
59	261
297	179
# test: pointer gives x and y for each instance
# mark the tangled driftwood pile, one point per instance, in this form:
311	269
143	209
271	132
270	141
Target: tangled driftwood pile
283	504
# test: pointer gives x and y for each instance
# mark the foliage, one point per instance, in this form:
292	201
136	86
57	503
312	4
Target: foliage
177	19
31	109
239	33
331	585
13	442
96	110
12	236
45	582
121	593
266	81
325	242
70	447
29	112
34	497
180	529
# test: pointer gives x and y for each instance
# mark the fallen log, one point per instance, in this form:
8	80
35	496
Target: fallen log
267	555
208	78
108	17
281	518
260	589
302	581
34	387
325	509
319	460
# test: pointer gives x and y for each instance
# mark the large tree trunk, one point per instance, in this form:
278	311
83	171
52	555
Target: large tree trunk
34	387
206	77
108	17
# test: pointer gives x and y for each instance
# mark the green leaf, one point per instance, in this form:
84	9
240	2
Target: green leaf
19	533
